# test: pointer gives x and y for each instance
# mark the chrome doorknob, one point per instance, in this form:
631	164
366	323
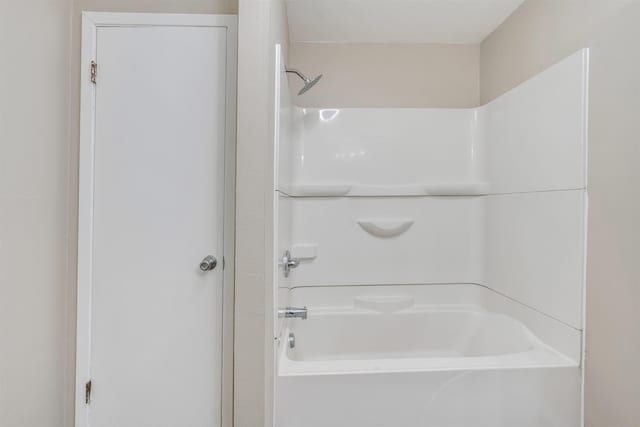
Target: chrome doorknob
208	263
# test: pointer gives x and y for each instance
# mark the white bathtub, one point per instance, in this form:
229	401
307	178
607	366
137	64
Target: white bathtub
390	355
419	339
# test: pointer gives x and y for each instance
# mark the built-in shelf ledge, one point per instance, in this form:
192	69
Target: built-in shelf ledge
359	190
391	190
316	190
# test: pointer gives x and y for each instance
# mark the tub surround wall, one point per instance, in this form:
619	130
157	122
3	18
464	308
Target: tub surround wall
528	246
428	240
535	161
383	148
513	171
529	139
537	34
535	134
534	250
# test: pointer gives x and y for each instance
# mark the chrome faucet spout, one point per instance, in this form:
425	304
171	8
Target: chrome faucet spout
293	312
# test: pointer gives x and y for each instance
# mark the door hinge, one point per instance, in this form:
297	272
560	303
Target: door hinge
87	392
94	71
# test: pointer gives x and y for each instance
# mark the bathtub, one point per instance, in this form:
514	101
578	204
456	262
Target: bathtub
416	340
431	355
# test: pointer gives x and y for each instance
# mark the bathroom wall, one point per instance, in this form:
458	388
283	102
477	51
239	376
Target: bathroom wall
262	25
39	110
537	34
536	167
34	214
158	6
388	75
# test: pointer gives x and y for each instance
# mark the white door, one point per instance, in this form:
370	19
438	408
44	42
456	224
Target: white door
158	190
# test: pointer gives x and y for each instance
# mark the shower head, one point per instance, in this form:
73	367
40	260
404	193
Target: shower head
308	83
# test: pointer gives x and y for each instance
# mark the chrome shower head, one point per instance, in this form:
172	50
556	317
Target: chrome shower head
308	83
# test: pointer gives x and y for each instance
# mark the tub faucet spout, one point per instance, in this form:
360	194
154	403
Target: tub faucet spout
289	312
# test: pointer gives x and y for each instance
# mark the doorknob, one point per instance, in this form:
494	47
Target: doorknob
208	263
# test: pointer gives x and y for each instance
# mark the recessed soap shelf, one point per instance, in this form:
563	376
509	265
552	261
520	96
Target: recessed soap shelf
385	227
384	304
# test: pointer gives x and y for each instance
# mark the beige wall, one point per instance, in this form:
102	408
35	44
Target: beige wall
535	36
388	75
34	208
39	110
159	6
262	25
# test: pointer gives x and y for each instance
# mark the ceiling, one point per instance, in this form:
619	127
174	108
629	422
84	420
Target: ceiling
396	21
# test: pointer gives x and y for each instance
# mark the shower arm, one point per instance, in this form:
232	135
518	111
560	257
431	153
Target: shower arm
298	73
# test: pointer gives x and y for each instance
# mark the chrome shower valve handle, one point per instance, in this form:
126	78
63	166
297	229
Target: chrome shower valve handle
288	263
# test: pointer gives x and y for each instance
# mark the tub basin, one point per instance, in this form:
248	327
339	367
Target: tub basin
421	338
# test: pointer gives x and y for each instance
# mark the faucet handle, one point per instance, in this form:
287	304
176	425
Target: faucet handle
294	262
288	263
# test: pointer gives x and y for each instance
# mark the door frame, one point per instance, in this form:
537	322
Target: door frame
91	21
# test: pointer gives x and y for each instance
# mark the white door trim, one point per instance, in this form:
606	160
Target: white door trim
90	23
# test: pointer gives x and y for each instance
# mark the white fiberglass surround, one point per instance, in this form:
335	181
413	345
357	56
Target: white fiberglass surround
494	195
533	138
442	257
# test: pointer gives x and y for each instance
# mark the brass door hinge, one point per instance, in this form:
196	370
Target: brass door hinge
87	392
94	71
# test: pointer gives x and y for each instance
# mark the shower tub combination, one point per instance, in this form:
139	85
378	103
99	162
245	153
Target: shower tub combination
423	355
441	263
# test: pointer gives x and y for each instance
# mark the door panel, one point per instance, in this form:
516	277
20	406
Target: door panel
156	326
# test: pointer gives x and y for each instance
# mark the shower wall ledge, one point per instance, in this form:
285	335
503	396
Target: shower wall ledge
358	190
